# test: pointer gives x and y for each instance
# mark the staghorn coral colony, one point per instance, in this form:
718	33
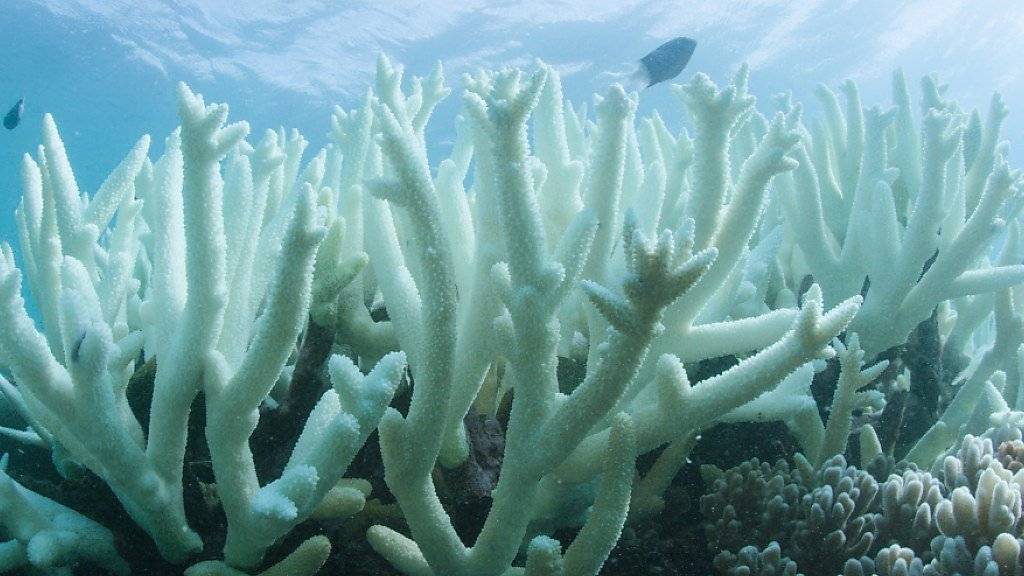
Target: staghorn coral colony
538	328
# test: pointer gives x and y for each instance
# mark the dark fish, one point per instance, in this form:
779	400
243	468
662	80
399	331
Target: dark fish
666	61
13	118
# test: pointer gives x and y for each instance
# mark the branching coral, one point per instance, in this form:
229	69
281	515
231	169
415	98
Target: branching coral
158	284
48	536
554	438
849	227
308	293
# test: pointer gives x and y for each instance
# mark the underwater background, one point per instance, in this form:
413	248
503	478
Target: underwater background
107	69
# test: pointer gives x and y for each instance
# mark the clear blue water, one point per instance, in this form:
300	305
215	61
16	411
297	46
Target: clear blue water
106	68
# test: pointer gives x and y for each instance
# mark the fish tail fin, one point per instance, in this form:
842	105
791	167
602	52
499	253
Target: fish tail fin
638	80
632	80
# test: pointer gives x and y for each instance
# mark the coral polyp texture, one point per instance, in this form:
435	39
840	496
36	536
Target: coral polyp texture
521	323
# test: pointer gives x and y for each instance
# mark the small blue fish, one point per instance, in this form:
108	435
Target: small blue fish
664	63
13	118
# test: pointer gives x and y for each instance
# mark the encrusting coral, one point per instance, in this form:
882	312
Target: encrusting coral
242	281
964	519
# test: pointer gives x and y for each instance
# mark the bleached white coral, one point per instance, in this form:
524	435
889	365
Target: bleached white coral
47	536
213	298
635	252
